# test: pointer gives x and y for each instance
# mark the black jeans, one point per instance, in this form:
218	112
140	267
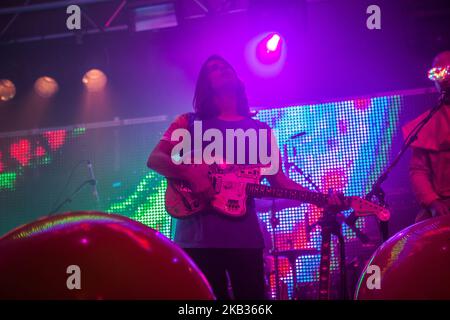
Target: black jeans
245	268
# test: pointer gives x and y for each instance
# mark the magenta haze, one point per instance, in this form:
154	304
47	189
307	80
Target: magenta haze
214	151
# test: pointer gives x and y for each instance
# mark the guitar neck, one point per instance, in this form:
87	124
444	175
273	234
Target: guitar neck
262	191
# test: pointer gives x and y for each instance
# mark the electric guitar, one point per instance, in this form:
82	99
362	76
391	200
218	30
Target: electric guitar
233	184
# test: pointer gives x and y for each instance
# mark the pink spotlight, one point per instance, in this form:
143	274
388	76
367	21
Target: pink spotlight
272	43
268	50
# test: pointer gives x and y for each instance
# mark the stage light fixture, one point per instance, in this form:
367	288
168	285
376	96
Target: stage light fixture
95	80
269	49
46	87
273	42
7	90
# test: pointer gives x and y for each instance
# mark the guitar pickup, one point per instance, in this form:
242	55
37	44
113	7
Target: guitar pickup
233	204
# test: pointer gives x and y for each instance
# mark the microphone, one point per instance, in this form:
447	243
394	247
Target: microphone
93	181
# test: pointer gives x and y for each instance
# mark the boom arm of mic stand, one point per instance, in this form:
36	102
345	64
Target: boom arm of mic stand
71	196
274	221
376	190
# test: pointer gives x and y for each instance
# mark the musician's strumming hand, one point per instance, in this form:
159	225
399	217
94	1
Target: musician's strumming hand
439	208
198	179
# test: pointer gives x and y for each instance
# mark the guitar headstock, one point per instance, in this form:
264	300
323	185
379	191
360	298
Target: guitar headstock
364	207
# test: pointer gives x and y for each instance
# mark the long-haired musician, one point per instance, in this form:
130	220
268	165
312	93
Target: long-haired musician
219	244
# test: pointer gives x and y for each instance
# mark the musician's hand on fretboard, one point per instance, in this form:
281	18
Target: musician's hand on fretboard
337	202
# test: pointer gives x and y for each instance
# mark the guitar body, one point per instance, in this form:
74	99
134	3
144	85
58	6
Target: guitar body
229	183
180	201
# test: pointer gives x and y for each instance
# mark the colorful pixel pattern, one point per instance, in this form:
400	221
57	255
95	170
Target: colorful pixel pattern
342	146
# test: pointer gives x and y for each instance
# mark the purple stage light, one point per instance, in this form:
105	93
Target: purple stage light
272	43
266	54
269	49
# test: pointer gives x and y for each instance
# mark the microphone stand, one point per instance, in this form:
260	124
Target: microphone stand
376	190
72	195
274	222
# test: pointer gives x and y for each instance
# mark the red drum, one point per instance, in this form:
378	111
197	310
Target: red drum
413	264
93	255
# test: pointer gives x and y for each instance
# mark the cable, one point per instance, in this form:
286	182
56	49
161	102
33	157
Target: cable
74	168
